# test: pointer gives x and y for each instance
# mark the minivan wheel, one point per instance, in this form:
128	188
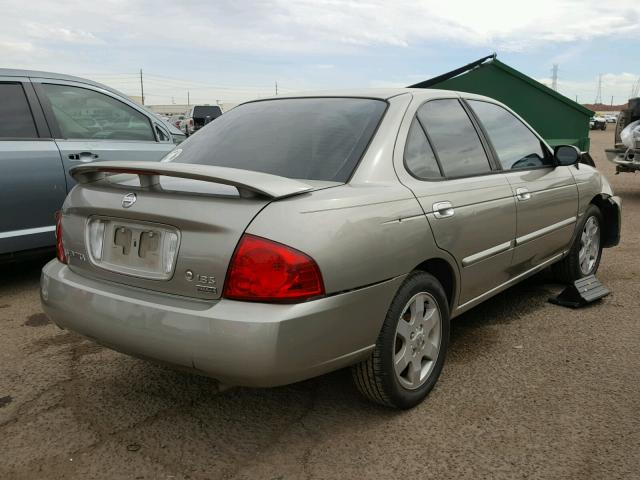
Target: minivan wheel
584	257
411	347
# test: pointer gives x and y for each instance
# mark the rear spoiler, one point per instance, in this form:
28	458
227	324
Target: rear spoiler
248	183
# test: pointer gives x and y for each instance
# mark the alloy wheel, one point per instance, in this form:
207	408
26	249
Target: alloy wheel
417	341
589	246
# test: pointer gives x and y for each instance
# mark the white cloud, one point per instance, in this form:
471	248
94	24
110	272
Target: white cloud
58	35
616	85
9	47
322	25
51	33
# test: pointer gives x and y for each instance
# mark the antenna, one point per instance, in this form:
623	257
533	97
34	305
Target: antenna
599	95
554	77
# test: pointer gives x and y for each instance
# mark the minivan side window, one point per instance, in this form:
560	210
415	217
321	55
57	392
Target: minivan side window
418	155
454	138
16	120
86	114
517	147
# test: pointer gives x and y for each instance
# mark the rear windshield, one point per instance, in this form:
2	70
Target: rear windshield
204	111
304	138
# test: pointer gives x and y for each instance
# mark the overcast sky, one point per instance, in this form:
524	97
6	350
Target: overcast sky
234	50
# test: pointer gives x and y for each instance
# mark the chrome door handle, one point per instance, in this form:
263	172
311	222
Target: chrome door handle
523	194
443	210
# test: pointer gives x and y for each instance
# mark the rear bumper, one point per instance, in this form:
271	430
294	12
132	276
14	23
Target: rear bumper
240	343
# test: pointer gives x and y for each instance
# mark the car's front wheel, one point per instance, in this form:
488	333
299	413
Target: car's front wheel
411	347
584	256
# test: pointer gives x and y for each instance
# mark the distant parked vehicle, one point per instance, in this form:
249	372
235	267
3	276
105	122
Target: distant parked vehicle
611	118
597	123
198	116
176	120
51	122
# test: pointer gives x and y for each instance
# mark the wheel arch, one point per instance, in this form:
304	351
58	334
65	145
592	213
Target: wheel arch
611	218
445	273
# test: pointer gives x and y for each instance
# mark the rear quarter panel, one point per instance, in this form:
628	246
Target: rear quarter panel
358	235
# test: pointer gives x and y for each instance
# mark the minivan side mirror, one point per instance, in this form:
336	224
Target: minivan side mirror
566	155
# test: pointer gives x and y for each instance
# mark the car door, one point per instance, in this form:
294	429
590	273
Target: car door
32	184
469	205
546	195
91	124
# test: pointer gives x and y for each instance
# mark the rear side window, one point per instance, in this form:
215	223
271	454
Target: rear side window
86	114
305	138
517	147
454	138
418	155
16	120
207	111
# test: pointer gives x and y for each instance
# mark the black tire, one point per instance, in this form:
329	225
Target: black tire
604	126
568	269
375	377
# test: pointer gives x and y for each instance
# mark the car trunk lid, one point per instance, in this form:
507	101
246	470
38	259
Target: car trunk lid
173	229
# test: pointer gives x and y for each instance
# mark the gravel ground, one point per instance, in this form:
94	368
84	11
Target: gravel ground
529	390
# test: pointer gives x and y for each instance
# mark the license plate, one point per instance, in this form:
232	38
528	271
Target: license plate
140	249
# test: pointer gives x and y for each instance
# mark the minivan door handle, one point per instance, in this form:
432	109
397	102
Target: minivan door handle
83	156
523	194
443	210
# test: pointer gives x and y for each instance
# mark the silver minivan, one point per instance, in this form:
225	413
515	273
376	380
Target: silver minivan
51	122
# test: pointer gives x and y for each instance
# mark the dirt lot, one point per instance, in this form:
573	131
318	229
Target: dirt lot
530	390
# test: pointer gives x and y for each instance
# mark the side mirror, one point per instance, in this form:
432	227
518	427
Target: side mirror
566	155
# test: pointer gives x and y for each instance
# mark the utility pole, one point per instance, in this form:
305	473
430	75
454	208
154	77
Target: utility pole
611	99
576	98
599	94
276	87
141	87
188	99
554	81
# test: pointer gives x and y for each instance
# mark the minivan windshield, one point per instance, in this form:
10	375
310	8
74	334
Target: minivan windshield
303	138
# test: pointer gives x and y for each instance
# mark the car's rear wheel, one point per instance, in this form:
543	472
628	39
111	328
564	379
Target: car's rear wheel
584	257
411	347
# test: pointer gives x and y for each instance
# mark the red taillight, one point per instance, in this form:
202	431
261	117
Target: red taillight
266	271
59	245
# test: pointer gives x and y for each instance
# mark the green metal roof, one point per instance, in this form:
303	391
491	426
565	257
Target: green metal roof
534	83
557	118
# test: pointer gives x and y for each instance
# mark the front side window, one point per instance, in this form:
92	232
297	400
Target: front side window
304	138
454	138
516	146
418	155
86	114
16	120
